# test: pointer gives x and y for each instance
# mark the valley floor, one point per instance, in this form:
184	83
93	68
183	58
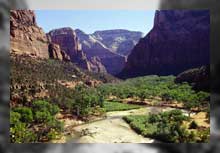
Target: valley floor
112	129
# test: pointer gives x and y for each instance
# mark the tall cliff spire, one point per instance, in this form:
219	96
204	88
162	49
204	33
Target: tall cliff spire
178	41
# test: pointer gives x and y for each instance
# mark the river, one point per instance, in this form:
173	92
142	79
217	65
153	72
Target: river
112	129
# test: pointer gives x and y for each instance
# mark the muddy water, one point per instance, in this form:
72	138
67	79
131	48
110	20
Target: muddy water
112	129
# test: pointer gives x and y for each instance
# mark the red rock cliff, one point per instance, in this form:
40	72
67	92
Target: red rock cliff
25	36
178	41
68	41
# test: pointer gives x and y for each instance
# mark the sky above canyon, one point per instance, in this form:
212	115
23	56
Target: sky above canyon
93	20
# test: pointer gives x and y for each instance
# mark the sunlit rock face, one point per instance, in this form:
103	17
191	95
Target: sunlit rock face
25	35
120	41
178	41
69	42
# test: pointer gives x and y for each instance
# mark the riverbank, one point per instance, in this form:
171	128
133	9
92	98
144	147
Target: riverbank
111	129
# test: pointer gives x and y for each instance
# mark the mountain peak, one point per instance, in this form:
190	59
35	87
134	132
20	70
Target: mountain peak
116	31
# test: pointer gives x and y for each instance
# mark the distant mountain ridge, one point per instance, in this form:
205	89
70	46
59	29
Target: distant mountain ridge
111	46
120	41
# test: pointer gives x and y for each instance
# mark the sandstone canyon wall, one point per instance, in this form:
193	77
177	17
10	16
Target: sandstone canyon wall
26	37
56	53
178	41
68	41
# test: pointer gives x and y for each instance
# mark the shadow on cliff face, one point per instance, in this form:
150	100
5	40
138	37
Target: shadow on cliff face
214	7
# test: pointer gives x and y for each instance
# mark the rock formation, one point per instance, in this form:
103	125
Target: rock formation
119	41
68	41
95	46
25	36
56	53
199	78
178	41
96	65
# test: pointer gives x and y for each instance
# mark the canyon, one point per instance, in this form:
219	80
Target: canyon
178	41
63	86
26	37
102	52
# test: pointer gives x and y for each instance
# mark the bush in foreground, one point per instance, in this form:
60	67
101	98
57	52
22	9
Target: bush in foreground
166	127
34	124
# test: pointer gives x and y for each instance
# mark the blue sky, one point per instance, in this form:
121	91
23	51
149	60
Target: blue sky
93	20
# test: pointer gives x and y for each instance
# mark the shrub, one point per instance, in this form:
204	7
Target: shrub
14	117
185	136
20	134
153	118
98	111
166	97
25	113
204	135
166	126
42	116
54	109
55	124
40	105
52	134
44	106
149	130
